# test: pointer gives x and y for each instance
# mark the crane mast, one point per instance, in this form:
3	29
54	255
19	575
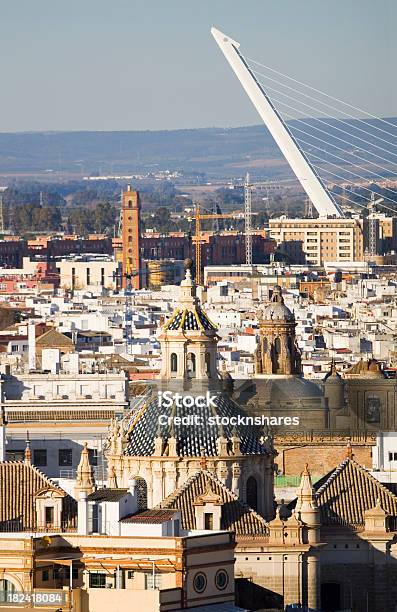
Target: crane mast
247	220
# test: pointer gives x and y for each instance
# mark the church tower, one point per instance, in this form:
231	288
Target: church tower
131	234
189	339
278	352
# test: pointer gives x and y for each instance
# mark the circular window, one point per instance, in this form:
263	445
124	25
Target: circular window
199	582
221	579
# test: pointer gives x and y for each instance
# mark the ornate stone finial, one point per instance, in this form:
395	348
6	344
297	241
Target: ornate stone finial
306	493
277	295
28	452
349	451
203	459
85	474
112	483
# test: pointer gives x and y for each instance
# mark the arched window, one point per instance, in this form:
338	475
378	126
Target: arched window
289	344
174	362
252	493
129	203
372	409
277	346
191	365
141	492
208	363
265	345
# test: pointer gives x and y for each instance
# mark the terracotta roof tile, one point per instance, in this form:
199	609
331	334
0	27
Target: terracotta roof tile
19	483
348	491
236	515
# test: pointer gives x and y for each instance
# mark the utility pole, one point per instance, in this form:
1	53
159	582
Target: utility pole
247	220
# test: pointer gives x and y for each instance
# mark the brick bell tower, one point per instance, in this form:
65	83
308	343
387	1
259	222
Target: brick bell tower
131	236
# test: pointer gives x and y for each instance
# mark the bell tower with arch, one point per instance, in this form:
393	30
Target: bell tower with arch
278	353
189	339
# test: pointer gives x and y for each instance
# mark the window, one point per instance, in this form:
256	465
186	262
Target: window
49	515
174	362
208	520
252	493
221	579
14	348
97	580
150	583
102	277
95	518
45	576
208	363
93	455
40	457
130	574
88	276
65	457
392	456
141	492
199	582
191	365
6	588
15	455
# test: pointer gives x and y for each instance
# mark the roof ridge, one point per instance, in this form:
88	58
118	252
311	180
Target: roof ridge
337	470
362	470
375	480
179	490
46	478
213	477
236	497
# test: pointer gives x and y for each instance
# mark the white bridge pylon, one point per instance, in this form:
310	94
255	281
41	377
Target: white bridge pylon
300	165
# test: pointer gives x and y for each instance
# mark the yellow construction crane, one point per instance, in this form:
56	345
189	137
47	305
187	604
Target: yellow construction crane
199	216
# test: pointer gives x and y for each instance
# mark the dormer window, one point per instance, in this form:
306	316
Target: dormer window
208	520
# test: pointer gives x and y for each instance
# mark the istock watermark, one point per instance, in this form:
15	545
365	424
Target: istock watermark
166	399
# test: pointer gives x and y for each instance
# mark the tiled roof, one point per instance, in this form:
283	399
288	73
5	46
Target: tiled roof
236	515
196	439
187	319
54	338
110	495
19	483
348	491
150	516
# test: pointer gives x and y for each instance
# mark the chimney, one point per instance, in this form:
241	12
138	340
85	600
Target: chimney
134	494
82	514
32	345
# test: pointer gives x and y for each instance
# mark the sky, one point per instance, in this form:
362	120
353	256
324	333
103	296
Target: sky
153	64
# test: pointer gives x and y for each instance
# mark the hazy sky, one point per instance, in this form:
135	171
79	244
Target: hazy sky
152	64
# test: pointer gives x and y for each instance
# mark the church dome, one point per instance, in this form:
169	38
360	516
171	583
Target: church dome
189	319
197	438
280	389
188	315
277	310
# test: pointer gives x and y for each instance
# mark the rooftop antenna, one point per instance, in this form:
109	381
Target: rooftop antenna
299	163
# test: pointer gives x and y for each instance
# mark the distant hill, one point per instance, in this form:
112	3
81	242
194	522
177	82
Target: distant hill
214	151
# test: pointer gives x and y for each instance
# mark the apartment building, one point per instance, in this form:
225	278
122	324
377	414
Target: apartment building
316	241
